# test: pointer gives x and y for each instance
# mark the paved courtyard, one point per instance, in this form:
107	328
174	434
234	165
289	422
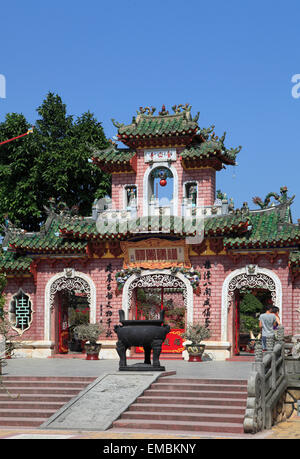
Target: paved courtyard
80	367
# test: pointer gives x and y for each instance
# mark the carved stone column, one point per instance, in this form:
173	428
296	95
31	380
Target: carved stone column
270	343
258	351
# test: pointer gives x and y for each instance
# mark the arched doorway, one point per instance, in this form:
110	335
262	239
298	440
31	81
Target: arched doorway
160	288
70	299
260	282
160	198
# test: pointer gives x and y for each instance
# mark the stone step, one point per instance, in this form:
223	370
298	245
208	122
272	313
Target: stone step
191	401
184	426
144	407
182	417
198	387
26	412
20	421
23	404
243	382
85	379
37	397
196	393
188	405
44	384
40	390
30	401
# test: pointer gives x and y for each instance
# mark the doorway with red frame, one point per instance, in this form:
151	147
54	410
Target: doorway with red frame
249	304
73	309
150	301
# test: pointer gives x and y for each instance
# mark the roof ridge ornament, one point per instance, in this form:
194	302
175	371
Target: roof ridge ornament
281	199
146	110
117	124
205	132
163	111
10	230
62	210
181	108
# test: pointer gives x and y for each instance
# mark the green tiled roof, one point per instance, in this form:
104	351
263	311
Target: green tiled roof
209	149
113	154
213	226
226	224
179	128
271	228
11	262
110	229
48	241
166	125
82	229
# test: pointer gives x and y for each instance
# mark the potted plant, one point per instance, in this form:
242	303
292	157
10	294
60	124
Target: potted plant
77	316
195	334
90	333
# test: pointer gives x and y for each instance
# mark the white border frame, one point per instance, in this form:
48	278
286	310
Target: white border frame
146	200
189	291
47	309
225	302
18	330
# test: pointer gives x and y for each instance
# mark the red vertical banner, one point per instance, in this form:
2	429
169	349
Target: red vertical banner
63	335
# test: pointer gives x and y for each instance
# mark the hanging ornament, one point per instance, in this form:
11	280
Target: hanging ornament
162	175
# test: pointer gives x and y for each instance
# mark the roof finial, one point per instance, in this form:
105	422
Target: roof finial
163	111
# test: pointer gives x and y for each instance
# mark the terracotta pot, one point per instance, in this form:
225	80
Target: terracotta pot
92	351
195	352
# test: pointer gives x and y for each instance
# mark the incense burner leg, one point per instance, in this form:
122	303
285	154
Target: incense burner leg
147	351
121	350
156	347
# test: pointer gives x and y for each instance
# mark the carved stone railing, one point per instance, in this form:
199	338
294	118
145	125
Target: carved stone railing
266	385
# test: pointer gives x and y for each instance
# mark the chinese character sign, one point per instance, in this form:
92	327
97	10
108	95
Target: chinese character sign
207	293
108	306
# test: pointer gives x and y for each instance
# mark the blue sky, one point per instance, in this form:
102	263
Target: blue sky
231	60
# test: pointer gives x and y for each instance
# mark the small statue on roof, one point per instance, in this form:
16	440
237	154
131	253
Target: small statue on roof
163	111
245	208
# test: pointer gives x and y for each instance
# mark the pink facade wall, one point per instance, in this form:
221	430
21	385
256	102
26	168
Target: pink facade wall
206	179
221	266
295	310
27	285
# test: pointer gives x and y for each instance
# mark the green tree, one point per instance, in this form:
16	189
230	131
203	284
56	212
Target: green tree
51	162
250	308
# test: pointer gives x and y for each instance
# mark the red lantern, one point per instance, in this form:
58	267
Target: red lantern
163	182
